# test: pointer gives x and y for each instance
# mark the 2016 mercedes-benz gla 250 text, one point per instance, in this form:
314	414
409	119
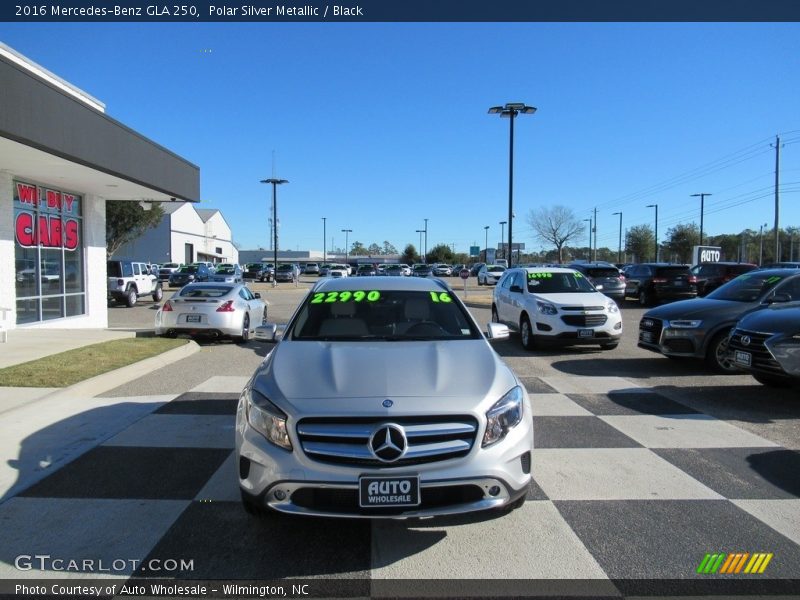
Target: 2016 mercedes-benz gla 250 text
383	399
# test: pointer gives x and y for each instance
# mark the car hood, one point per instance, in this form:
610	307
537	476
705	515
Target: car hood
699	308
327	376
778	318
574	299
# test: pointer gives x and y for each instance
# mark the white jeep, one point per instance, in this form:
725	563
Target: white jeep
127	280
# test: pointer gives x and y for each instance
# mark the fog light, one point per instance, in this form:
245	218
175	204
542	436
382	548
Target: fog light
280	495
494	490
618	325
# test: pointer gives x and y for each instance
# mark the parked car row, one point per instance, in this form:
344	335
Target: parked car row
745	324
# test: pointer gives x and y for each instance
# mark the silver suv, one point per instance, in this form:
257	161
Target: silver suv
383	399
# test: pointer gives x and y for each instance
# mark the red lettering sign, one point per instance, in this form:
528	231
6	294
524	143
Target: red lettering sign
53	199
68	200
27	194
48	232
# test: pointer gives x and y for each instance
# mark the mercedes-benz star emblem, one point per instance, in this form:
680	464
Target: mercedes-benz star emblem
388	443
745	340
388	403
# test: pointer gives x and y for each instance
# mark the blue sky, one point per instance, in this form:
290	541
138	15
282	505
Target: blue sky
379	126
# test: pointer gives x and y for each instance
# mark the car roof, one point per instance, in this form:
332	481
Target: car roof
404	284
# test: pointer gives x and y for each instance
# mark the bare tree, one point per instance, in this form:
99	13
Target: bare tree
556	225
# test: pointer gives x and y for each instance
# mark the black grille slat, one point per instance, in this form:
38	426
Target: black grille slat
585	320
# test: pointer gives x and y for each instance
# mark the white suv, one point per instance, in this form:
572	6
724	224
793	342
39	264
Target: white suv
556	305
128	280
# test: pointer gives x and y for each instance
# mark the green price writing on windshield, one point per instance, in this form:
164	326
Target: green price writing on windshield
441	297
540	275
346	296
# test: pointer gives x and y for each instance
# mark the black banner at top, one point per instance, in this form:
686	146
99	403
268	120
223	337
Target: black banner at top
366	11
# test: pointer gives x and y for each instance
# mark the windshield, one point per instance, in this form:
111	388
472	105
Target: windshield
285	267
546	282
189	269
749	287
226	270
495	269
358	315
602	272
209	291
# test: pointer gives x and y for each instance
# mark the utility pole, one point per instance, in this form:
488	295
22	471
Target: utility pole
595	234
426	242
619	245
589	257
702	196
777	198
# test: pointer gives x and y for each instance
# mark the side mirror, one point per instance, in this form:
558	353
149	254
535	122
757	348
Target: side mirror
779	298
497	331
266	333
257	295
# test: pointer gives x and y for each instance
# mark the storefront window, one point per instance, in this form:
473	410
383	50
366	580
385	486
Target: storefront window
48	228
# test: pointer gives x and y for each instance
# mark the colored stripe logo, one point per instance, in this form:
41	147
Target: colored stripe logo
734	563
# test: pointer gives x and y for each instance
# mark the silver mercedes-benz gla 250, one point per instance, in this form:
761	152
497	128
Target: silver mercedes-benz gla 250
382	398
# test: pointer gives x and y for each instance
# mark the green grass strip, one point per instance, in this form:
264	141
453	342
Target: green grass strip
72	366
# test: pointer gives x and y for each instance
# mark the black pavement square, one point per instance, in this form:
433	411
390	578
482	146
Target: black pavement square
578	432
201	403
668	539
130	472
534	385
227	543
630	403
741	473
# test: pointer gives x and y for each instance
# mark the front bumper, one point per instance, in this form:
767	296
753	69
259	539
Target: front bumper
553	329
291	482
672	341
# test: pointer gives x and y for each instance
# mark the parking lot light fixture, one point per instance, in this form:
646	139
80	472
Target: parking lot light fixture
590	239
275	183
656	231
346	232
486	245
510	111
324	243
502	235
702	196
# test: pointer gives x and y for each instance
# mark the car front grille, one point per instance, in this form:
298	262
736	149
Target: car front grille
650	330
345	441
762	359
585	320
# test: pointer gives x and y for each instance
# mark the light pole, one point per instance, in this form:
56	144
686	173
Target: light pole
589	257
420	232
702	196
619	246
275	183
486	245
346	232
502	235
656	232
324	241
761	244
426	241
510	111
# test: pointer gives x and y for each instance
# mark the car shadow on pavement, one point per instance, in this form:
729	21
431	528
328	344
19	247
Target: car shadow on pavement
512	348
636	368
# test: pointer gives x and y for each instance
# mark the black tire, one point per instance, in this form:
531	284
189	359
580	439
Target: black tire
772	380
717	357
158	293
609	346
526	333
131	297
479	282
495	316
644	298
245	336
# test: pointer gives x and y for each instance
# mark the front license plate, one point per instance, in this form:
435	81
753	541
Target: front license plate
374	492
193	318
679	283
585	333
646	336
742	358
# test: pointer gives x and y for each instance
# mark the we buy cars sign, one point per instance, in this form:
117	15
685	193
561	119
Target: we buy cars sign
53	229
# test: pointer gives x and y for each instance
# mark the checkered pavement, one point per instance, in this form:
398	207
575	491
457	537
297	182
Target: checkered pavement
628	485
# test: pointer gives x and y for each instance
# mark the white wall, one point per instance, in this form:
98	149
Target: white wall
7	269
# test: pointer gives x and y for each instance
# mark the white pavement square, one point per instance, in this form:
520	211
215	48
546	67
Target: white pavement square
224	384
592	385
782	515
684	431
548	550
556	405
613	474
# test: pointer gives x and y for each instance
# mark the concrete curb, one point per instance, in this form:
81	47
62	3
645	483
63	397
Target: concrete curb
98	384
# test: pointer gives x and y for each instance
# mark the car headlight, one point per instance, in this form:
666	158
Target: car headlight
503	416
267	419
685	324
546	308
612	307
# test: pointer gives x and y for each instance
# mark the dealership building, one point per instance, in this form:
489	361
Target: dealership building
61	159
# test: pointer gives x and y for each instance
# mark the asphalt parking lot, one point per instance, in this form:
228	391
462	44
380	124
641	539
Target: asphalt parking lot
642	466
